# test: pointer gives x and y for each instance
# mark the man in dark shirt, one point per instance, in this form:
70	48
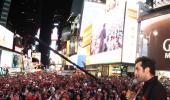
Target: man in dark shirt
102	37
152	88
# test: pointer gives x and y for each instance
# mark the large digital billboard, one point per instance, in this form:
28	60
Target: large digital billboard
16	61
10	60
6	38
6	59
102	29
156	40
130	34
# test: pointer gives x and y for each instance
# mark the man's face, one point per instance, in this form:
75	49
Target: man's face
140	73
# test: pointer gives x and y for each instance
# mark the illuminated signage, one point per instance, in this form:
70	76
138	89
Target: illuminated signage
158	47
6	59
6	38
166	48
19	49
160	3
87	36
130	35
102	31
36	55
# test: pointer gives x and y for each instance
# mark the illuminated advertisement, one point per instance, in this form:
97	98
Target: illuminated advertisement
156	40
17	61
18	49
6	37
160	3
72	46
130	34
87	36
6	59
18	43
10	60
36	55
81	60
102	30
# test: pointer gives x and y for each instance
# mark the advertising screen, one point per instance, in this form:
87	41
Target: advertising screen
160	3
6	59
130	34
6	37
10	60
156	40
16	61
72	46
102	25
81	60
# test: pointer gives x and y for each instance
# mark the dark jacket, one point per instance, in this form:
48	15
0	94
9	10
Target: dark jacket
152	90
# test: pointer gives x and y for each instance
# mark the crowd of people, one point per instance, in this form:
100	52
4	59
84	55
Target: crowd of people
51	86
42	85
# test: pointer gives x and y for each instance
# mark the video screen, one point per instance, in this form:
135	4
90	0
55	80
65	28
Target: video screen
102	25
6	37
130	34
16	62
6	59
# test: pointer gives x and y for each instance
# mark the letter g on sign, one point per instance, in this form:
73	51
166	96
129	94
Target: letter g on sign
166	45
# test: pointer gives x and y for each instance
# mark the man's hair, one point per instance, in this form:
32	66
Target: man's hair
147	62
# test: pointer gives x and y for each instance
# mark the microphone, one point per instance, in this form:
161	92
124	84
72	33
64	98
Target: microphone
130	95
135	82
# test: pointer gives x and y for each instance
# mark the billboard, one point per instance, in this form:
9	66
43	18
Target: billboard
6	38
10	60
102	25
130	34
6	59
16	60
157	45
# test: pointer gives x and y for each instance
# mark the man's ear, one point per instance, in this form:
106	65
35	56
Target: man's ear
147	70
